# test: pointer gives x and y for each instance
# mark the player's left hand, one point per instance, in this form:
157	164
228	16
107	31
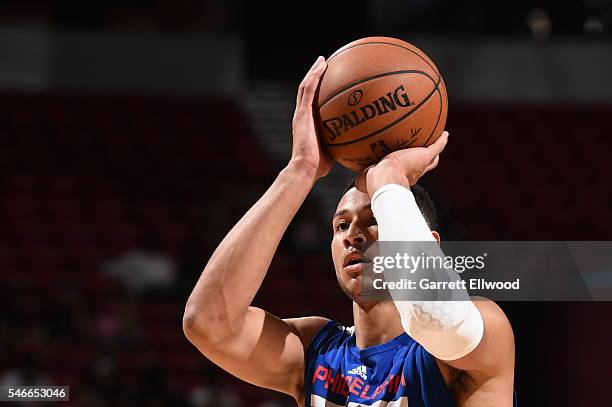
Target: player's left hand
403	167
307	149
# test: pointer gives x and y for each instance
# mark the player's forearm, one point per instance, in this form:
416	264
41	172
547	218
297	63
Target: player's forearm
447	329
238	266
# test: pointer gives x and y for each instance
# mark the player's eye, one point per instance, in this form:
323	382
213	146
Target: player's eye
342	226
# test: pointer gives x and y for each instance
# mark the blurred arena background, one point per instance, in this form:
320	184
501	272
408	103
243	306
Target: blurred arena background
134	134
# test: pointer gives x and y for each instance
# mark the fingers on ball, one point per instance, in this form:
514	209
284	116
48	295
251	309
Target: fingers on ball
309	85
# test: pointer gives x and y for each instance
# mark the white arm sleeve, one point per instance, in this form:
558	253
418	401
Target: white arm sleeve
448	330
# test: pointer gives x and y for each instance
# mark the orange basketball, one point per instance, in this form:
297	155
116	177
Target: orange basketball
379	95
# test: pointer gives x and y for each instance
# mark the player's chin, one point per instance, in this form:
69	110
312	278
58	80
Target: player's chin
352	287
362	293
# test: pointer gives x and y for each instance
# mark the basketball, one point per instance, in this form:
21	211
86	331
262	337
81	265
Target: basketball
379	95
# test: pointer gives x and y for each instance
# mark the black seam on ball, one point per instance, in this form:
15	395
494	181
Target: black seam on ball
437	120
335	54
370	78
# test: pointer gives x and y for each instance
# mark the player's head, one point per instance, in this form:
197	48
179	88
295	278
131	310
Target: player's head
355	228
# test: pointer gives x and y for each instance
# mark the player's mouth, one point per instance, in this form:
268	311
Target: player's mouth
353	263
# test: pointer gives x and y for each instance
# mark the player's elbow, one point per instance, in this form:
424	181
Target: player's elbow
201	327
189	323
194	323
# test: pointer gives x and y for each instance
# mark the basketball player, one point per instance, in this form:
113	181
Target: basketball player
398	353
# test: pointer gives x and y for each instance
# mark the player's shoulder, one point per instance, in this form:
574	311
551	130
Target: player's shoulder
493	311
307	327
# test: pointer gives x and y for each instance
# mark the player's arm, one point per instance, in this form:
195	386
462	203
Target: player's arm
494	355
478	339
219	320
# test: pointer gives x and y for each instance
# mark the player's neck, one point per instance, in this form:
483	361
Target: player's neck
376	325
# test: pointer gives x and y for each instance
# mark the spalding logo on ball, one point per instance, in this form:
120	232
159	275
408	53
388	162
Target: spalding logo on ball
379	95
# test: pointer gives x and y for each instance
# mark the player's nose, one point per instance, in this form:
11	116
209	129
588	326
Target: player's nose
354	237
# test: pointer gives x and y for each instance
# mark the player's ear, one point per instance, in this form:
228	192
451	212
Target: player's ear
436	235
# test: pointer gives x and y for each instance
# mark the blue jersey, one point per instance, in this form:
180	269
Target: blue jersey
397	373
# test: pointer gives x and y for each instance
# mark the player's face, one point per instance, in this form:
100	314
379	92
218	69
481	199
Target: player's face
354	228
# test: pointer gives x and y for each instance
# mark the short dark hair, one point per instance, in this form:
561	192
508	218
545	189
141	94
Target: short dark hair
423	201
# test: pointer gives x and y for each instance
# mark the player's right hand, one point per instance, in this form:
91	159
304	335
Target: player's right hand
307	151
402	167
